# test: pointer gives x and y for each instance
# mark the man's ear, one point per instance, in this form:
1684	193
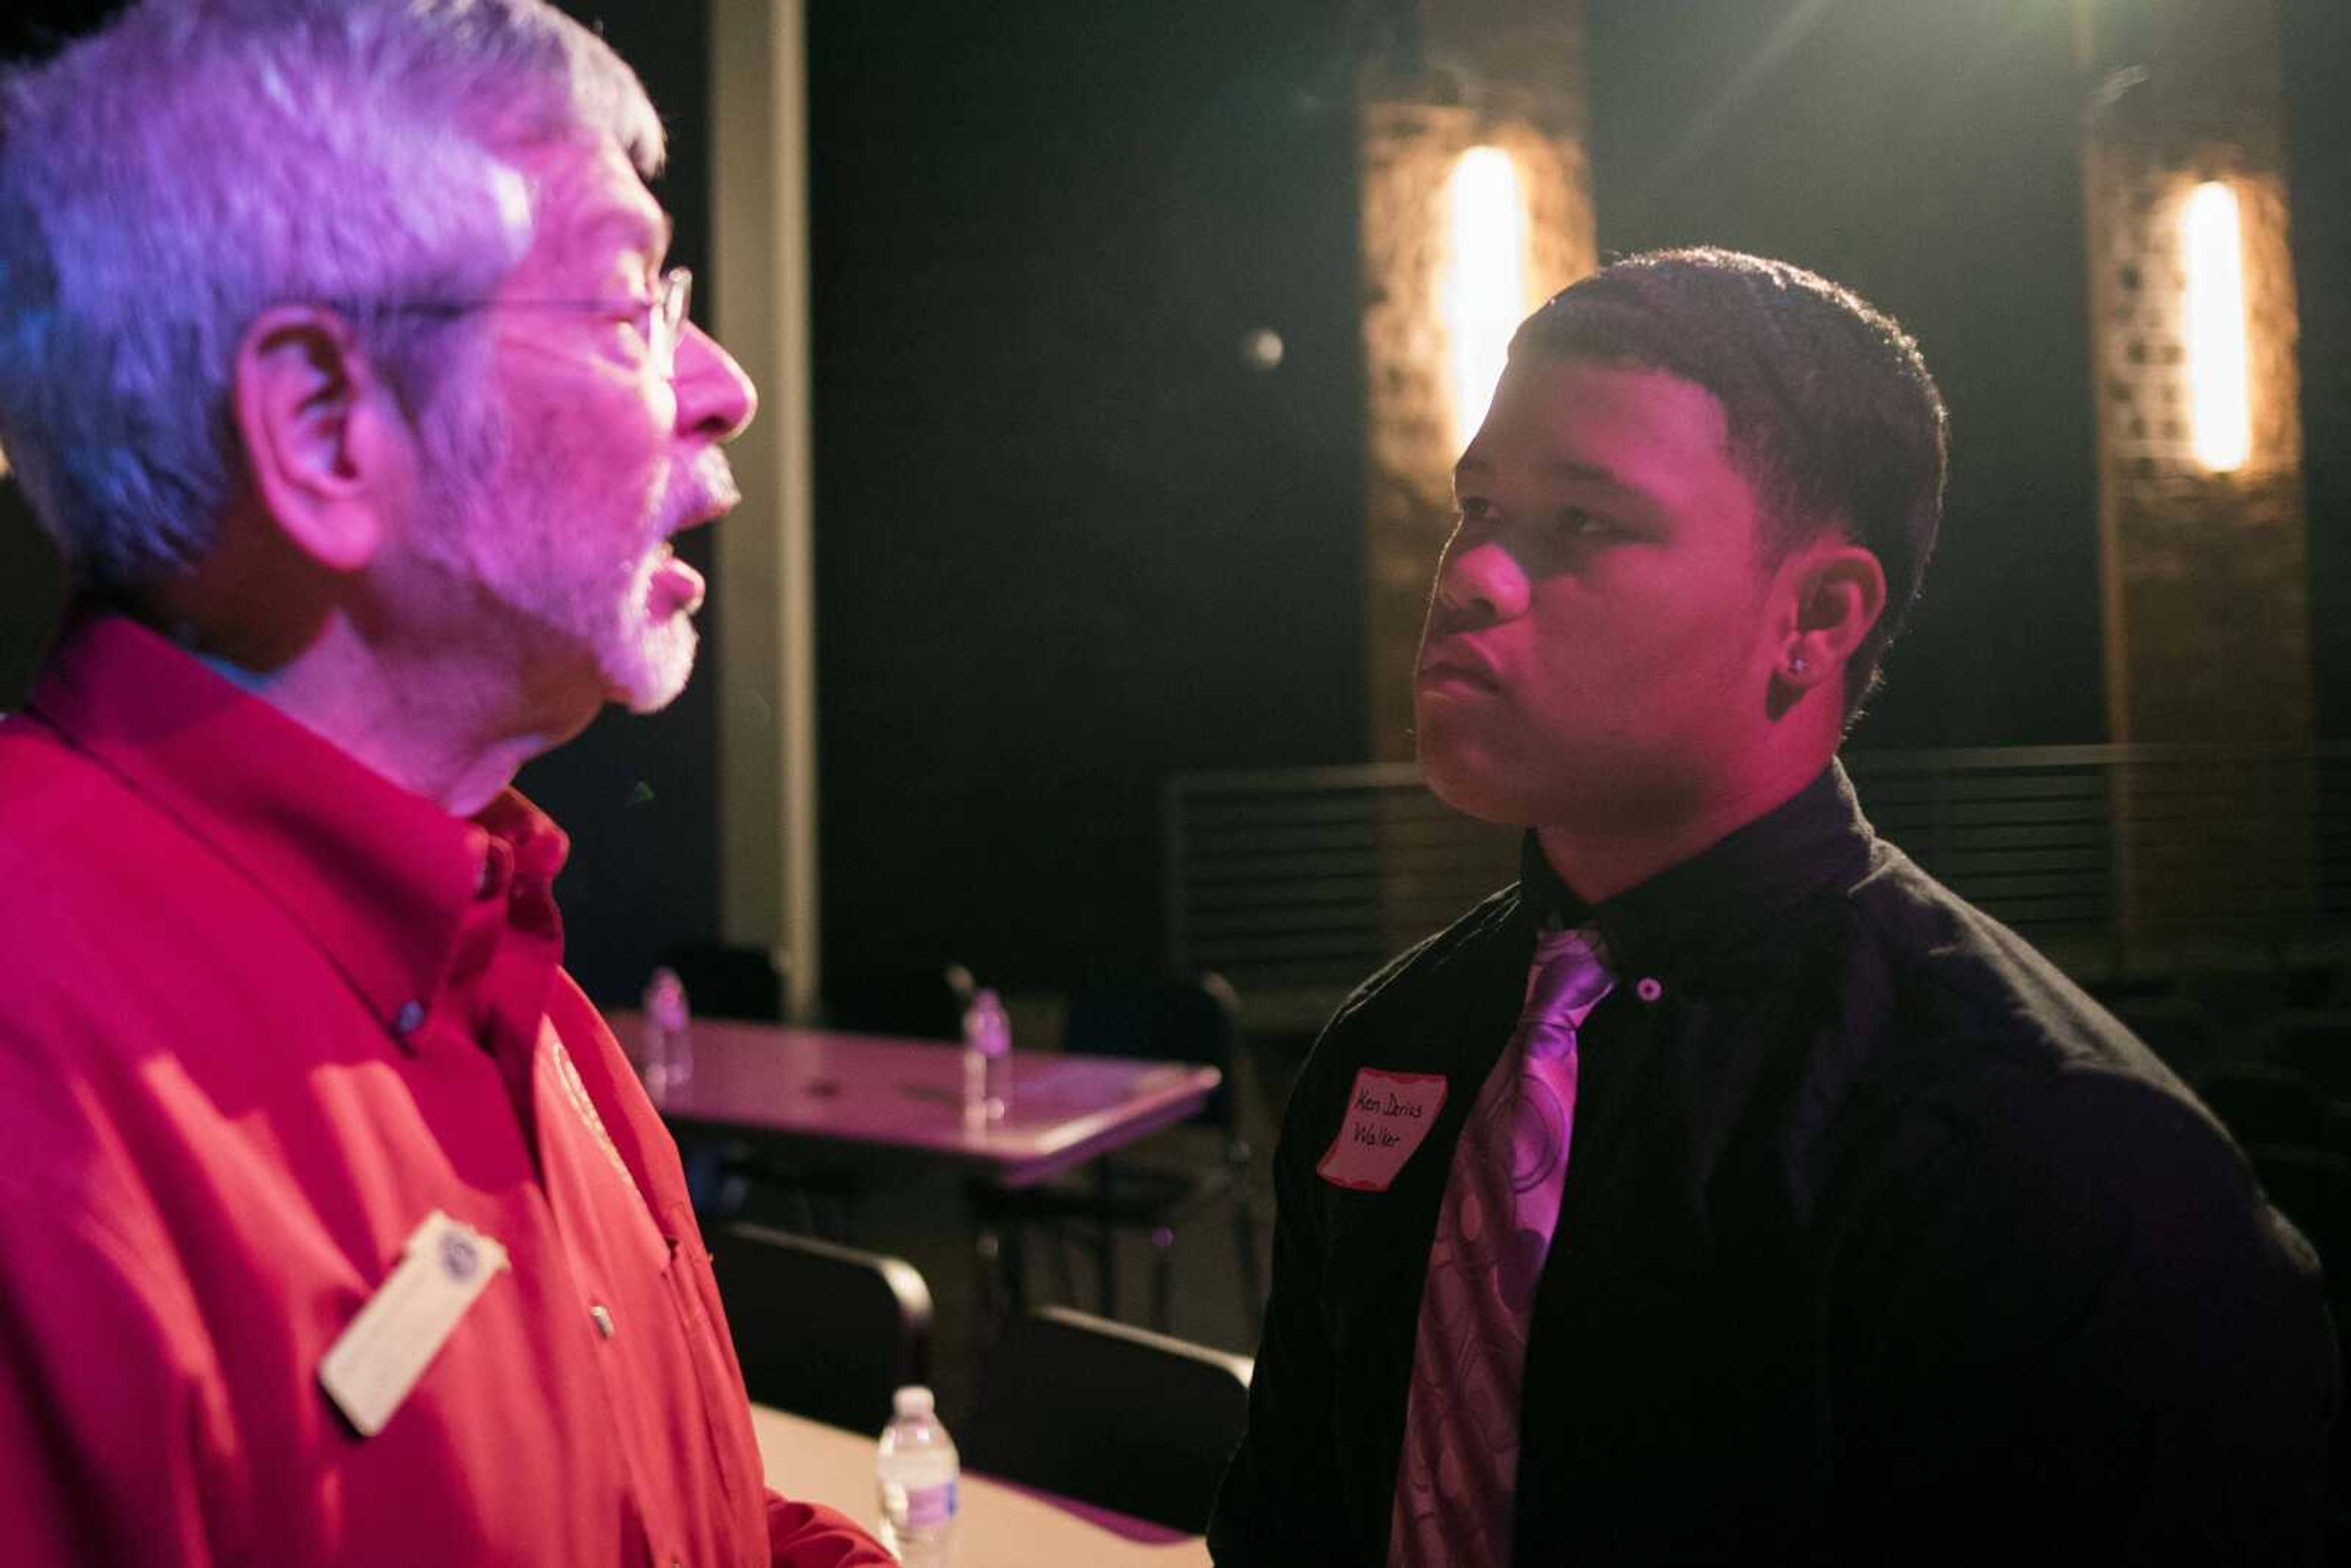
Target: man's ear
322	434
1838	592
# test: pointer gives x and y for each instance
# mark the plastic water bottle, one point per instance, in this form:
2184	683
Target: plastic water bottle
916	1474
669	1036
987	1060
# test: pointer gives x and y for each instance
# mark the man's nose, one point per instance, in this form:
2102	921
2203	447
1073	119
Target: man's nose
1481	584
715	399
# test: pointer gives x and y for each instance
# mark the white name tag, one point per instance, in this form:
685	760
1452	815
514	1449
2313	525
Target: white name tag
444	1267
1388	1114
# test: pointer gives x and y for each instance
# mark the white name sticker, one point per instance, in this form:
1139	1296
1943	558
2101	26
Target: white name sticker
442	1269
1388	1114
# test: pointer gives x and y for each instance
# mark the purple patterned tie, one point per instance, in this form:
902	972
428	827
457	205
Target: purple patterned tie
1459	1472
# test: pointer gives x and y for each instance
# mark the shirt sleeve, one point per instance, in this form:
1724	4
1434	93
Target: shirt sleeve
810	1535
2064	1323
1280	1503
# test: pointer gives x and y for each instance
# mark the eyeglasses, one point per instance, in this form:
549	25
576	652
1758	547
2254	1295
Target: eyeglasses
661	323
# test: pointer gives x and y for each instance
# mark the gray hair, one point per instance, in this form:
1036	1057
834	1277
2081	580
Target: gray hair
165	181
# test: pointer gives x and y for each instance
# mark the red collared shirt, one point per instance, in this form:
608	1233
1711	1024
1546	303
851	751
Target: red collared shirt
261	1013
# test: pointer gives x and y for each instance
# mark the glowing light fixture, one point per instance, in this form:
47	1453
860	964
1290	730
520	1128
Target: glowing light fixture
2220	416
1485	289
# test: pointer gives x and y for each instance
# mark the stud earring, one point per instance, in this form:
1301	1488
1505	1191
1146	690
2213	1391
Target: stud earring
1799	665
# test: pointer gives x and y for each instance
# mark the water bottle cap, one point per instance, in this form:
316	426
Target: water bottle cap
986	1025
912	1402
665	1003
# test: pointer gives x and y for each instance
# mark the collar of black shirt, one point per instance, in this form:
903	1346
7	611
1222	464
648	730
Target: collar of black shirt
1725	904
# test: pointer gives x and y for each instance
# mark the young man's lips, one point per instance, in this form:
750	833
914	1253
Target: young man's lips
1458	672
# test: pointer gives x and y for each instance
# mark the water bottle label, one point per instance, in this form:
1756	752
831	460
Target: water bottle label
927	1508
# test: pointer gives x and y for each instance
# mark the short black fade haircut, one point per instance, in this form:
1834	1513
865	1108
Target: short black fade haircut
1831	413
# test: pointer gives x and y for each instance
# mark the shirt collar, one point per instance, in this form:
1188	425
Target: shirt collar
1716	904
378	875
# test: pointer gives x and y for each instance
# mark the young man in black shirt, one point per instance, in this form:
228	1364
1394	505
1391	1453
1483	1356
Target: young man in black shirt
1727	1190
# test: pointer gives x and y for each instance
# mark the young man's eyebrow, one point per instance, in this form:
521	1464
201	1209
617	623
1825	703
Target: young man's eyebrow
1579	473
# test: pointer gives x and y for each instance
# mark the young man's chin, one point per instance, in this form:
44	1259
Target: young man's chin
1469	789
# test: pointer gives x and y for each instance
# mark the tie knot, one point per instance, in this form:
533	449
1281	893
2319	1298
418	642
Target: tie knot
1569	978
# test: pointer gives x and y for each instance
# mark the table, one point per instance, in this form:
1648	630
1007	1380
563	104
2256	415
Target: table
1000	1525
812	1085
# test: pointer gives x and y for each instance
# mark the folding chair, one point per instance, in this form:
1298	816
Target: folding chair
726	980
914	1003
823	1331
2261	1103
2176	1029
2317	1044
1109	1414
1171	1180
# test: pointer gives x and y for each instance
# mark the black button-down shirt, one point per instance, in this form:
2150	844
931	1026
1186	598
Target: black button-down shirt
1880	1241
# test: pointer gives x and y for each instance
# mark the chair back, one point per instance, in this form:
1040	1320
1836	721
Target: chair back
723	980
911	1003
2179	1032
2261	1103
822	1330
1109	1414
2317	1044
2235	996
1165	1020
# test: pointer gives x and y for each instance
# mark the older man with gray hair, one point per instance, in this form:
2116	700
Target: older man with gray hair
338	353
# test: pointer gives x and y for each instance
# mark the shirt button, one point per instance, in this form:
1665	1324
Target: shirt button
603	1320
409	1019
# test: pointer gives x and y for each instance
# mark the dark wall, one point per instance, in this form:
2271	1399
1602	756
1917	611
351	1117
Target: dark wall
32	580
1926	155
2318	177
1067	544
1069	541
32	595
639	795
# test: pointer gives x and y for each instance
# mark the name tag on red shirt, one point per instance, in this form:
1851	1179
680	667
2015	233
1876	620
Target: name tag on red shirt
1388	1115
443	1270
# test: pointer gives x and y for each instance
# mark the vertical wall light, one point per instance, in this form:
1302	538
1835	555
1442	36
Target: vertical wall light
1471	212
2220	417
1485	290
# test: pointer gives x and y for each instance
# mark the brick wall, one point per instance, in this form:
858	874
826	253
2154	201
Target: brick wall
2206	575
1506	73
